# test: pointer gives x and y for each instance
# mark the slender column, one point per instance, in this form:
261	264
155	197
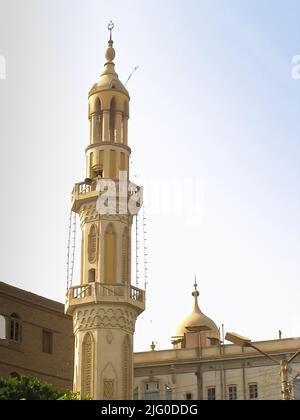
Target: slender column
118	126
105	126
125	130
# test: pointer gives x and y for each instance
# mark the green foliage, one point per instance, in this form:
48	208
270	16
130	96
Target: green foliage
28	388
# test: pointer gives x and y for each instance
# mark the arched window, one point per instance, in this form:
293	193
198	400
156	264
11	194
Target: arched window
92	244
126	368
110	254
168	393
112	116
87	365
14	328
125	253
124	127
97	121
152	390
92	276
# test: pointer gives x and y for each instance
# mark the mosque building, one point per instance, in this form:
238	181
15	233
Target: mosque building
88	344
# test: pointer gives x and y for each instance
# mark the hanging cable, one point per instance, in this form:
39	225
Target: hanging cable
145	249
137	251
71	249
68	251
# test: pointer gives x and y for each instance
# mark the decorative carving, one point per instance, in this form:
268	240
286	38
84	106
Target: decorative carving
109	337
101	317
109	382
87	365
88	213
108	389
127	369
93	243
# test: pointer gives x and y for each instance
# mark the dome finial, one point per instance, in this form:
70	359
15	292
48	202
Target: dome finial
110	27
110	52
195	292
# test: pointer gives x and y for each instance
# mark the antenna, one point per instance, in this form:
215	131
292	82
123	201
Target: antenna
131	74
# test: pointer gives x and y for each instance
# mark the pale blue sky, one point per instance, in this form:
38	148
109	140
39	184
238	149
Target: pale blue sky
213	100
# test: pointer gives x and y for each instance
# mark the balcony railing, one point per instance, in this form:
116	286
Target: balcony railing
83	188
99	292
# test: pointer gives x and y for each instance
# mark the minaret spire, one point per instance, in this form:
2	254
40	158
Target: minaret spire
110	27
196	295
110	51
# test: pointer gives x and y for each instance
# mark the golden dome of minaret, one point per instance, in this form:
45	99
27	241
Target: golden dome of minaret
109	79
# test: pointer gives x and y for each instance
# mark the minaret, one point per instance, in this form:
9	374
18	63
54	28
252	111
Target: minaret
105	305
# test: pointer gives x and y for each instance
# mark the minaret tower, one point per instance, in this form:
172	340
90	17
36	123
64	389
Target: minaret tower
105	305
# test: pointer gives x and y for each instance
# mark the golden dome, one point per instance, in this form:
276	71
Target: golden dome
109	79
196	321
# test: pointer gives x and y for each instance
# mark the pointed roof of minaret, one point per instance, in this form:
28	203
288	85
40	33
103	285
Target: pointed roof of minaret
196	321
109	79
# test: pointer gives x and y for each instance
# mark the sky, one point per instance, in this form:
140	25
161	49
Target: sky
214	114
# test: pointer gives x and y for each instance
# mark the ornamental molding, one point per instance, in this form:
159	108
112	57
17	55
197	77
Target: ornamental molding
111	318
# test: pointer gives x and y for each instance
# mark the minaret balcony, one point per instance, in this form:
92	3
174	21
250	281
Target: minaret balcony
94	293
87	191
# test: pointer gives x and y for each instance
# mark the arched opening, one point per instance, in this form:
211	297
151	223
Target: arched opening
87	365
92	275
112	122
97	125
124	126
92	244
110	254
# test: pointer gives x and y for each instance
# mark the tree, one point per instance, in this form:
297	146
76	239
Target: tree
28	388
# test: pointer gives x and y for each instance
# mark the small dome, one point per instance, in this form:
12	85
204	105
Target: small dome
196	321
109	78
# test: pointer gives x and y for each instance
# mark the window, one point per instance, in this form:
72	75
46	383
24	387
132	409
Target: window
136	393
92	244
47	342
152	391
211	393
15	328
188	396
168	393
3	335
92	276
232	392
253	391
214	342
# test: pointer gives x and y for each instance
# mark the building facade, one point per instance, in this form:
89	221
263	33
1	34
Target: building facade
201	367
36	337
